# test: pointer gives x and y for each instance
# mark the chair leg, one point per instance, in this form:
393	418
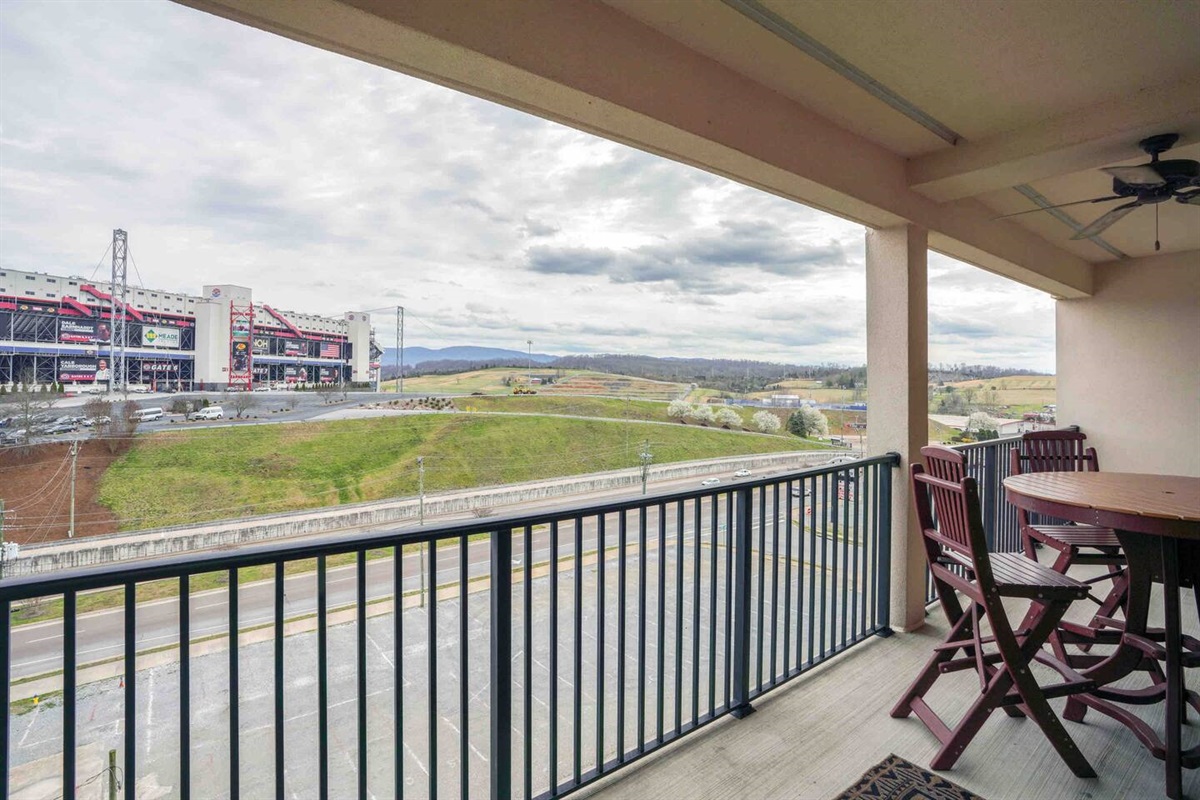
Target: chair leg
930	673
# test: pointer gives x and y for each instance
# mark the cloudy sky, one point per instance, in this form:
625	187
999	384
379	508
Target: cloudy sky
327	185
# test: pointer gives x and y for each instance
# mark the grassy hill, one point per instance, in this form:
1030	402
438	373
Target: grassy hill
1018	392
207	474
572	382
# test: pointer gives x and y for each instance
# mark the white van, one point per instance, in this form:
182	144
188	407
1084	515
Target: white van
209	412
148	414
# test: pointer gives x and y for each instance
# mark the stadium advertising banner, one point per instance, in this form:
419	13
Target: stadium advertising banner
160	337
241	357
240	328
295	349
328	374
77	369
261	346
82	331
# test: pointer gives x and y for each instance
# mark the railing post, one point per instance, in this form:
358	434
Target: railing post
740	701
883	594
991	491
501	664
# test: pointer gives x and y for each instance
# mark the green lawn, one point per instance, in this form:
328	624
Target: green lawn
198	475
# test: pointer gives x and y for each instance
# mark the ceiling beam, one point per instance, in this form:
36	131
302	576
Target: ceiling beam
587	65
1090	138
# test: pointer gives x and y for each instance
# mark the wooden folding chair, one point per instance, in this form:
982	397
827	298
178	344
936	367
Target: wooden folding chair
1063	451
948	510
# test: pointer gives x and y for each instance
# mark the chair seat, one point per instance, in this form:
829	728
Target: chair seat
1019	576
1079	535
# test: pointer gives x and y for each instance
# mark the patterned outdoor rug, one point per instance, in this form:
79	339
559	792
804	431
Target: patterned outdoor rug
897	779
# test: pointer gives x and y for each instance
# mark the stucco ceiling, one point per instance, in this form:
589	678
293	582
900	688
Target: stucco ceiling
986	71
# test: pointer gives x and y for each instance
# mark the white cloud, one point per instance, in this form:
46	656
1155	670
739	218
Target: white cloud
328	185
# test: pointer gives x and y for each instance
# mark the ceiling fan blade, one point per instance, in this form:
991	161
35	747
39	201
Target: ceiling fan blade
1101	224
1189	198
1144	175
1060	205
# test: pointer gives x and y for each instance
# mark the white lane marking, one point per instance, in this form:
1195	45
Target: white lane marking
409	750
47	638
150	711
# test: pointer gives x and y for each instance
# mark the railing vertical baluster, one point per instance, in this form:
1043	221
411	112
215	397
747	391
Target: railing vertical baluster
69	656
814	495
641	633
622	536
800	606
679	515
741	605
500	756
697	534
578	655
5	692
431	654
762	572
322	683
885	544
787	580
601	557
552	630
660	677
728	675
845	531
234	689
527	650
360	586
185	688
464	728
990	486
773	674
857	592
828	491
130	776
280	686
398	670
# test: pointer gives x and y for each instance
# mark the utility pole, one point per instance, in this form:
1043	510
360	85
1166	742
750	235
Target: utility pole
529	363
3	550
646	457
74	459
421	507
400	349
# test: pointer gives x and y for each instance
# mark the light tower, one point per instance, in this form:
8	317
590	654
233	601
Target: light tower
118	295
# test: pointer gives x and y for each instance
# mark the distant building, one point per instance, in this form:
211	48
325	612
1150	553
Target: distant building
58	329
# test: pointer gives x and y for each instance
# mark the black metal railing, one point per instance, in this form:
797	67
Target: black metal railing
522	656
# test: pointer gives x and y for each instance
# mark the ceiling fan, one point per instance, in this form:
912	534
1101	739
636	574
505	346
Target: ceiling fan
1149	184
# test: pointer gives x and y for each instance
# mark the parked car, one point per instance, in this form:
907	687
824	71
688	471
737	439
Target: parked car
710	481
742	473
14	436
148	414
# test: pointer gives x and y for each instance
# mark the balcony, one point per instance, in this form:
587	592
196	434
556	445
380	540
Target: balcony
625	627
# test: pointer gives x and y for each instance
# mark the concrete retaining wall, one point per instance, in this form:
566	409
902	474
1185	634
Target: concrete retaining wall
97	550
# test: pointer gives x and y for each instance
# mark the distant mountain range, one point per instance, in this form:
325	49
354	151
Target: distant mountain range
418	355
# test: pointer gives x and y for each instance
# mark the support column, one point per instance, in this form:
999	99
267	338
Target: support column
897	391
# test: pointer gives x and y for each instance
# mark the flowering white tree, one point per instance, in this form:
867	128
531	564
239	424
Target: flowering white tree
679	408
979	421
766	422
702	413
808	422
727	417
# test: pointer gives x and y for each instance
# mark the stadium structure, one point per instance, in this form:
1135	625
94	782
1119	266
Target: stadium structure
89	335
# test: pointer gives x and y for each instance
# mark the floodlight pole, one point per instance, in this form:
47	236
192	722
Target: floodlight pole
646	457
529	363
400	349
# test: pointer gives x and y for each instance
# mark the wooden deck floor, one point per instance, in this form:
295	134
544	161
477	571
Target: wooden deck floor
815	737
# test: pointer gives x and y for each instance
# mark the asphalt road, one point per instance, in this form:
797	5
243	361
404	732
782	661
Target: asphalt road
38	648
589	673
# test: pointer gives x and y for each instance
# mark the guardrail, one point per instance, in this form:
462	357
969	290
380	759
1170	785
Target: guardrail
526	656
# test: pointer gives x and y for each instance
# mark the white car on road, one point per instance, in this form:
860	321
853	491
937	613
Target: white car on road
710	481
742	473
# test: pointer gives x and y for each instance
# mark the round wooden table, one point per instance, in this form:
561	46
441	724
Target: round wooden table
1150	514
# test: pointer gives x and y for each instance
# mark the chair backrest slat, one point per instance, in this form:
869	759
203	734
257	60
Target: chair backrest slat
948	507
1054	451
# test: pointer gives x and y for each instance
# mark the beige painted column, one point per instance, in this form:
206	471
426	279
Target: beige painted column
897	386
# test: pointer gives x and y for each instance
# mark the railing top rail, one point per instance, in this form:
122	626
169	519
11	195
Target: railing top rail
25	587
